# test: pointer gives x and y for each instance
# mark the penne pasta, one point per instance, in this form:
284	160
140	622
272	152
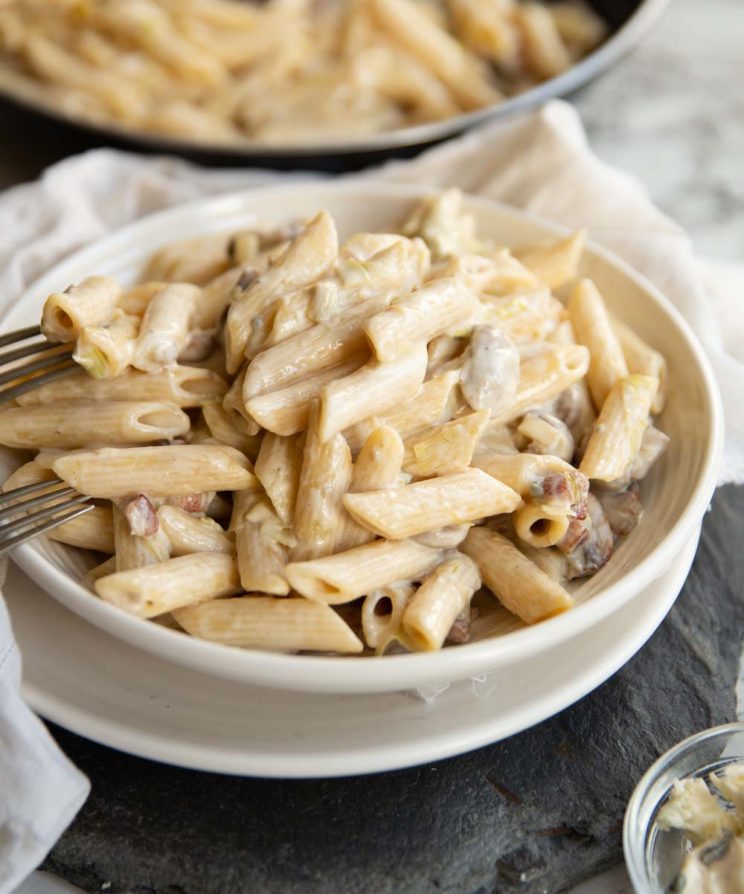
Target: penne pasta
518	583
434	402
556	263
105	352
307	257
280	625
382	612
189	533
90	303
286	412
401	512
346	576
134	550
643	359
618	432
165	586
278	468
439	360
184	386
433	608
435	309
94	530
158	471
164	331
378	466
229	427
80	423
543	377
371	390
593	328
324	479
445	448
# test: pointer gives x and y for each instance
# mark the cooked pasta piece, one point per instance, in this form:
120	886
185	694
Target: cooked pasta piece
90	303
518	583
544	376
618	432
155	589
378	466
642	359
308	256
158	471
556	263
446	448
184	386
462	73
93	530
309	352
401	512
278	467
434	402
433	608
106	351
346	576
279	625
434	309
229	427
80	423
287	411
189	533
137	550
382	612
324	479
593	328
371	390
164	331
262	542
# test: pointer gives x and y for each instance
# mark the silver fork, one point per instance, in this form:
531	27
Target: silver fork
31	365
45	514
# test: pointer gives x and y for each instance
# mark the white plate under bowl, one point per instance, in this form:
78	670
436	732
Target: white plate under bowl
675	495
108	691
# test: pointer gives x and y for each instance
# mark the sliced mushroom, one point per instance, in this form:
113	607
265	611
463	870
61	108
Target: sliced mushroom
622	508
490	371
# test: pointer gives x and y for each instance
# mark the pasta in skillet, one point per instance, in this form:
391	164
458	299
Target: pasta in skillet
301	445
288	71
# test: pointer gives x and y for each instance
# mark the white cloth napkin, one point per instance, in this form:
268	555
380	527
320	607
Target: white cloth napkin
540	162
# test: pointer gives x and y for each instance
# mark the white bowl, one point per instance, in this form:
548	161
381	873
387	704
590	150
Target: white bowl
676	494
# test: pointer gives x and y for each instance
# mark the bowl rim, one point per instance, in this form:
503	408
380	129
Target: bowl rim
618	44
634	853
312	672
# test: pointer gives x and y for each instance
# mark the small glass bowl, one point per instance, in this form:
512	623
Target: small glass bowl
653	856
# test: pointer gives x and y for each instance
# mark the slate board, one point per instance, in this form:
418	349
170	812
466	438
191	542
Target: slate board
536	813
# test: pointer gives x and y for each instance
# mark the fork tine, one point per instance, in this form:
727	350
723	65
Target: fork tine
38	347
44	363
22	506
10	338
28	489
69	366
17	539
29	521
